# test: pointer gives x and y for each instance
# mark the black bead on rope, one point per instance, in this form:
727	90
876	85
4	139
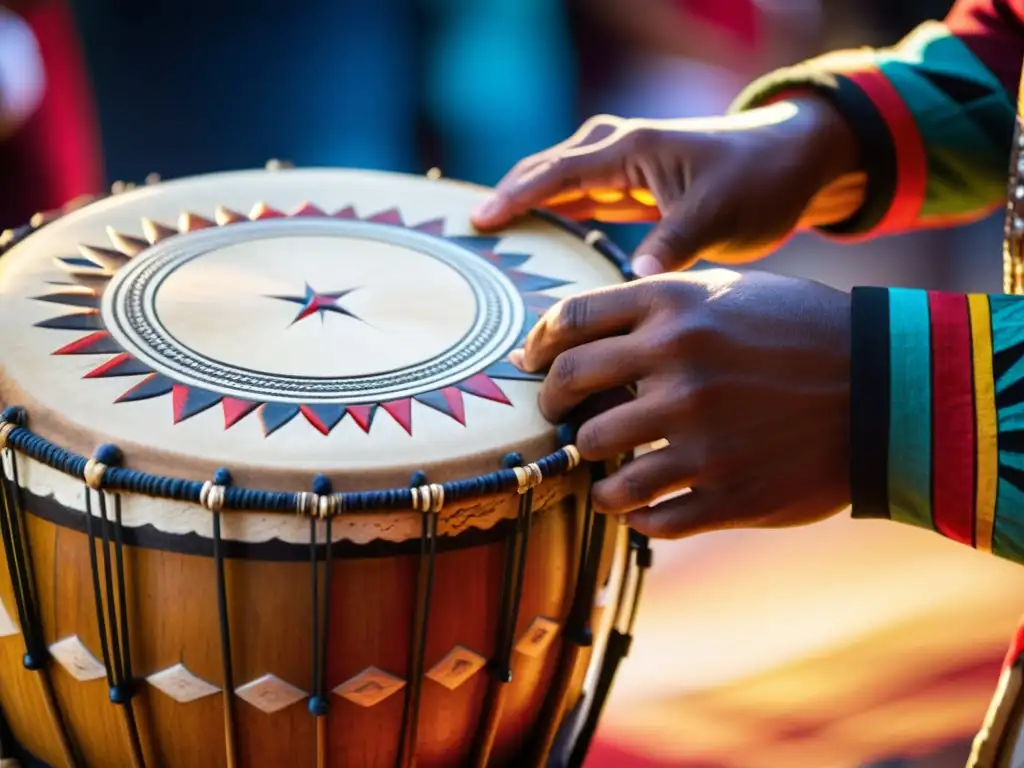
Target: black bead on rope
419	477
318	706
511	460
123	693
108	454
15	414
322	485
33	663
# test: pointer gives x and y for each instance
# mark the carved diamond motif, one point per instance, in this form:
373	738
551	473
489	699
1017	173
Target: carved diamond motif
369	687
7	625
72	654
538	636
180	684
456	668
270	694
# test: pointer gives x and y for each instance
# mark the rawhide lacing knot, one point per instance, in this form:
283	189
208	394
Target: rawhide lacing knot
427	498
572	454
325	502
315	505
6	428
212	494
528	476
106	456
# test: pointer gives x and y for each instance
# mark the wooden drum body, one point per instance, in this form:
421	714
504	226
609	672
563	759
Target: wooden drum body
199	566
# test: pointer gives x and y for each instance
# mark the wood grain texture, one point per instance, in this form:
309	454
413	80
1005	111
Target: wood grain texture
173	619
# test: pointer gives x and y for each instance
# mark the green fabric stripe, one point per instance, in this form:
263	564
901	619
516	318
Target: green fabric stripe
966	157
1011	459
1007	332
910	420
1007	328
933	47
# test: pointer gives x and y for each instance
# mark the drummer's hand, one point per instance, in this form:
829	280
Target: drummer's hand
726	189
746	376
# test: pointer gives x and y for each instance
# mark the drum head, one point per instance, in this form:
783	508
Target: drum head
286	323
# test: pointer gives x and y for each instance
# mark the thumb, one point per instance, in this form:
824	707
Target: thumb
692	225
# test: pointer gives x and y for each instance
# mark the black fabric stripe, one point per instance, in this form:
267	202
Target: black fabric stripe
869	402
1012	440
877	151
1003	360
1010	395
1013	476
962	90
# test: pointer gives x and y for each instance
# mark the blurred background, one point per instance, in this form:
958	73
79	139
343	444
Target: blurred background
840	646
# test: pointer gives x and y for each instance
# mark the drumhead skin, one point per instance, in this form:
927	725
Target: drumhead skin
284	324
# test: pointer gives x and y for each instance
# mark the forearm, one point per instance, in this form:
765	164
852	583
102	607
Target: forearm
22	81
938	414
933	118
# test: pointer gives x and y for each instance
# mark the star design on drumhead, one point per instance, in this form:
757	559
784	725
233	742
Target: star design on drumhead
93	267
314	302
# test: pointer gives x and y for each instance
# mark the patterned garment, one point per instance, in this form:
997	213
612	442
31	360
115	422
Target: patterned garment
937	118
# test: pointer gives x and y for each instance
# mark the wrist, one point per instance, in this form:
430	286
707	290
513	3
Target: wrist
827	136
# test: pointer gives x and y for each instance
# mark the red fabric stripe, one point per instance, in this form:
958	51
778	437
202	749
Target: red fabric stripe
953	439
65	141
911	163
985	27
1016	647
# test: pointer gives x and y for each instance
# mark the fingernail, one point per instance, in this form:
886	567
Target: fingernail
516	357
646	265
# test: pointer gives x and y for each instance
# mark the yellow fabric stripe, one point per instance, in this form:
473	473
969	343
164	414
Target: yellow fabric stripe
984	422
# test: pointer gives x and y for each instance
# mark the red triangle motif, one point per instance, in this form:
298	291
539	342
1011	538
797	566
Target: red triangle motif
82	344
189	222
346	213
263	211
179	401
401	411
483	386
432	227
456	404
235	410
308	209
112	364
362	415
390	216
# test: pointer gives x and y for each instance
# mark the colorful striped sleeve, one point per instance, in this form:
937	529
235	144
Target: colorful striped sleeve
937	405
934	116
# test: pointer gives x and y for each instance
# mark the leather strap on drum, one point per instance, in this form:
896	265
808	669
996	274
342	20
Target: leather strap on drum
529	477
212	496
14	537
428	499
113	628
